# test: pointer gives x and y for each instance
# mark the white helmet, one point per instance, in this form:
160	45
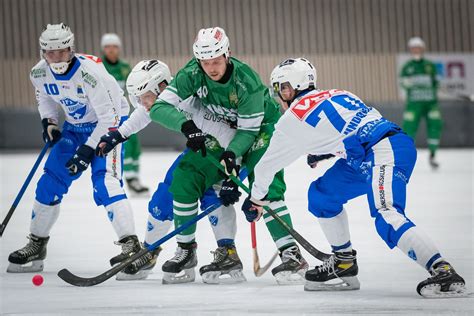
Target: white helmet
416	42
147	75
299	72
57	36
211	43
110	39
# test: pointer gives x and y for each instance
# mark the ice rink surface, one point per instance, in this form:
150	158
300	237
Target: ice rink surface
440	202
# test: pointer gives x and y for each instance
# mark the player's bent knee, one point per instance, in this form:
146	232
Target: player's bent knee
391	225
49	190
320	205
160	206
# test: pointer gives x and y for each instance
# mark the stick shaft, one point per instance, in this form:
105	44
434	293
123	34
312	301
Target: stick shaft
23	188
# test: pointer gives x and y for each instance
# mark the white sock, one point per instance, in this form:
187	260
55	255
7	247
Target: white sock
121	215
418	246
336	230
223	222
43	218
156	230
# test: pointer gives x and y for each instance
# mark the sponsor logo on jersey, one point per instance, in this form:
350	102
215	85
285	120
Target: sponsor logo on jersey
79	90
233	99
88	78
75	109
38	73
412	254
308	103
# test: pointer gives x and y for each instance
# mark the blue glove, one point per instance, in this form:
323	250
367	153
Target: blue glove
108	142
252	210
81	160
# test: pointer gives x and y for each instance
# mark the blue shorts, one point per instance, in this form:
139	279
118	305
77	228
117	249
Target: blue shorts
382	175
106	172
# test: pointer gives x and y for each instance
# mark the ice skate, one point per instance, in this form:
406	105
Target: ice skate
433	163
293	267
338	273
140	268
34	252
443	283
226	267
136	187
130	245
180	268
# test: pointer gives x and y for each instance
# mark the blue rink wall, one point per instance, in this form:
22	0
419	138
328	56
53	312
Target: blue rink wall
21	128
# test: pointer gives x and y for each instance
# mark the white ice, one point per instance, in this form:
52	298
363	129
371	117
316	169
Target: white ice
439	202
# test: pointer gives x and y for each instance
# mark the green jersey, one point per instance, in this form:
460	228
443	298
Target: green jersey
118	70
418	78
243	101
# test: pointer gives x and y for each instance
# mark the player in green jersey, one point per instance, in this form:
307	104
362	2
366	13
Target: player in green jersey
119	69
418	79
234	93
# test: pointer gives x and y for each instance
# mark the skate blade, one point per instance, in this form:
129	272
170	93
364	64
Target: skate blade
145	194
36	266
219	277
140	275
342	284
185	276
434	291
290	278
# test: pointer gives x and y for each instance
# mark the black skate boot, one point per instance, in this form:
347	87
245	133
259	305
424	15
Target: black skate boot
140	268
293	267
180	268
130	245
34	252
226	262
444	282
136	187
433	163
337	273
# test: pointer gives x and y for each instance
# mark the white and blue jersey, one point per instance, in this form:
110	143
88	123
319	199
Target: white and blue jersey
377	160
93	104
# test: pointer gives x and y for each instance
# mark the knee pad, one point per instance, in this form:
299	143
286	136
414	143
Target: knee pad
107	189
320	204
160	206
50	190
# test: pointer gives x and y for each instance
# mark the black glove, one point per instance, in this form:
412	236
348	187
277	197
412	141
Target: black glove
228	161
51	132
253	209
81	160
313	160
196	138
229	193
108	142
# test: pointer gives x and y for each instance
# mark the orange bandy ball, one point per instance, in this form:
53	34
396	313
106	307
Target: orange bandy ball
38	280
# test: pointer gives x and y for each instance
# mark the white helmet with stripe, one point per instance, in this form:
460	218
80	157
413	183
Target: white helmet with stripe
298	72
147	75
54	37
211	43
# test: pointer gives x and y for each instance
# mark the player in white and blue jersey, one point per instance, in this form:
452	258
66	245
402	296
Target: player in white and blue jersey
93	104
376	159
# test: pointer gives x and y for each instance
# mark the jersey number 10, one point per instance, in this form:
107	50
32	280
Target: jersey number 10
51	88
